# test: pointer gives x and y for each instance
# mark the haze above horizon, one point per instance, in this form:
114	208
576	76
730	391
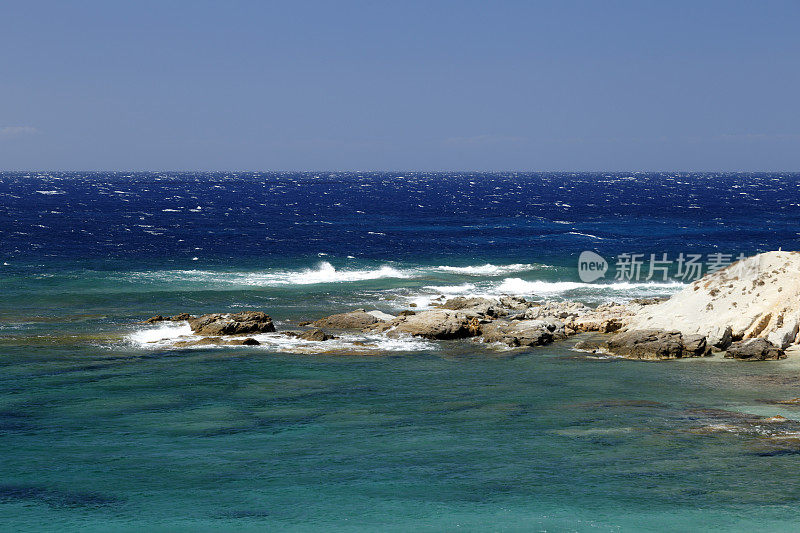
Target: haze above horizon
561	86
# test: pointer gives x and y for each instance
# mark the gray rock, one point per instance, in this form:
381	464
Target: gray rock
479	306
432	324
380	315
754	350
316	335
232	323
589	345
785	335
514	303
720	338
216	341
654	344
519	332
358	319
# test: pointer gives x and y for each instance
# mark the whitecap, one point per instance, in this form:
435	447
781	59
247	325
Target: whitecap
166	336
489	269
163	333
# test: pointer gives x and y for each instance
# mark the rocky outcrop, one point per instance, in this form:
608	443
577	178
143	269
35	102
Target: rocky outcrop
358	319
522	332
432	324
316	335
656	344
216	341
514	303
380	315
579	317
754	350
755	297
243	323
173	318
477	306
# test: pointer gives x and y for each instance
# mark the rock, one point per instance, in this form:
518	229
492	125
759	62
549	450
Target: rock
656	344
358	319
514	303
432	324
720	337
232	323
589	345
648	301
559	310
380	315
757	349
518	332
316	335
173	318
216	341
793	401
479	306
407	312
304	323
758	296
784	335
606	318
696	345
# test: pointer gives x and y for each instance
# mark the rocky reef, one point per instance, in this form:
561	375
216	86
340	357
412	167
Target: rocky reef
749	309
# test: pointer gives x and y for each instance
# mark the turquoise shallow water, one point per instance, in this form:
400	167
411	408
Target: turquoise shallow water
463	440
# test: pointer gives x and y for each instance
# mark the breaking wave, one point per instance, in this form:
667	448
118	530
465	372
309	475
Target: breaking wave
167	336
491	270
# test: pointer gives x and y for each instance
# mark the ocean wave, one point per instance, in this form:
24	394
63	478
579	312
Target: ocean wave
166	337
155	335
431	295
490	270
519	286
452	289
323	273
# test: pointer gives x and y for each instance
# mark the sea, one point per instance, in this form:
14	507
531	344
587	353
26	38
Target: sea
106	425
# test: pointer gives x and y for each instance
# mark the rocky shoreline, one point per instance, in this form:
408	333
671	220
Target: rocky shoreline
696	322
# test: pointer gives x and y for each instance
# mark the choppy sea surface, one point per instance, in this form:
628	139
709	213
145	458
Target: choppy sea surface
106	426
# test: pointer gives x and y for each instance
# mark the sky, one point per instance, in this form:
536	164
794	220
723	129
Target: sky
405	85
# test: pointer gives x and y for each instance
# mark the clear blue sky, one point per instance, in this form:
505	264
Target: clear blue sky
436	85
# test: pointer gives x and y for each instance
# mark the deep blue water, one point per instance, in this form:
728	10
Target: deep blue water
105	426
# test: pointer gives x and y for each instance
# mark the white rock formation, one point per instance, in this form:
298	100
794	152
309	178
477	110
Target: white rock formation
756	297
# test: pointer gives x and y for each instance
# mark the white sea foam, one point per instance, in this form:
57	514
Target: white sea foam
165	332
323	273
489	269
166	336
521	287
50	193
452	289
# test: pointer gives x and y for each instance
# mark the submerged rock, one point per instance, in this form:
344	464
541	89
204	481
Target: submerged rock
216	341
358	319
232	323
754	350
173	318
316	335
